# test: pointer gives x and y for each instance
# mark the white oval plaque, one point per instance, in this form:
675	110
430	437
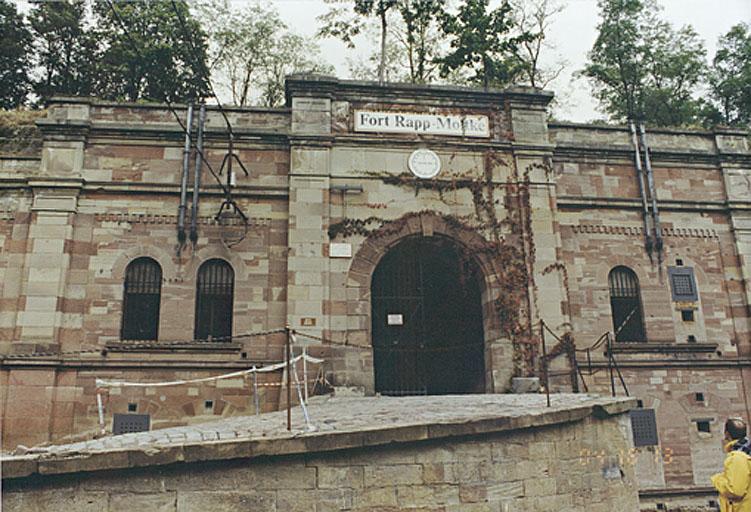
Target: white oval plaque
424	163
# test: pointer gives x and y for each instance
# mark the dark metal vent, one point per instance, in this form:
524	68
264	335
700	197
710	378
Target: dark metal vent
125	423
683	284
644	427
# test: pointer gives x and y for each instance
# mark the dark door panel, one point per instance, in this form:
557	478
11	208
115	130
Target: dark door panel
436	347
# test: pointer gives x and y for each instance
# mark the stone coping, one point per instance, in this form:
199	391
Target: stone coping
338	423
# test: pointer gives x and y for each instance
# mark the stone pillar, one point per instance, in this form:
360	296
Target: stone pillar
49	241
307	261
737	178
533	156
47	261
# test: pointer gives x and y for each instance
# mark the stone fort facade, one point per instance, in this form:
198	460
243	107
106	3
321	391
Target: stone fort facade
414	236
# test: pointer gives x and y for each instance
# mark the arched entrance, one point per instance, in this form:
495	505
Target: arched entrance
427	325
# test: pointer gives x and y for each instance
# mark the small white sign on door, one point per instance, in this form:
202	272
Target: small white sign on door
395	319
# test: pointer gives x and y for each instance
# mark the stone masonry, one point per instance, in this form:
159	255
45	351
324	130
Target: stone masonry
103	190
440	454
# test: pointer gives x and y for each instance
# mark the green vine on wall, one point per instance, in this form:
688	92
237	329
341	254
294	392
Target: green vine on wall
507	241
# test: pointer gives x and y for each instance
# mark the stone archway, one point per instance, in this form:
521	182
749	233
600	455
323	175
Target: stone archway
426	318
497	351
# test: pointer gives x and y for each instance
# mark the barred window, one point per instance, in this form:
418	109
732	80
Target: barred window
141	298
683	284
625	304
214	301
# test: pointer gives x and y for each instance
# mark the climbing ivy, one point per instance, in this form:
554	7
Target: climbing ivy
508	241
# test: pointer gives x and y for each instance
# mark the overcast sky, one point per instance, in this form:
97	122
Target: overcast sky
573	33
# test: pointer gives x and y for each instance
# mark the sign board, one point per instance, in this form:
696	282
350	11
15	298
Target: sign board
340	250
424	163
308	322
395	319
425	124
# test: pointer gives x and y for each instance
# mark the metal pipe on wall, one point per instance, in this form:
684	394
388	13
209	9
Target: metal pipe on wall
184	179
652	193
642	193
197	176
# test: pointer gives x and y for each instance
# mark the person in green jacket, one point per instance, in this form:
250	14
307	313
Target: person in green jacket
734	483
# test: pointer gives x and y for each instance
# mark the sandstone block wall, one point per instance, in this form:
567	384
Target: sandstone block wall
578	466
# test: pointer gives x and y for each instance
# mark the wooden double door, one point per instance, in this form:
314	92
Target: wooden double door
427	323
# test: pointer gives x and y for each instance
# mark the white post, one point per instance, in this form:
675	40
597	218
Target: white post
256	399
305	371
100	408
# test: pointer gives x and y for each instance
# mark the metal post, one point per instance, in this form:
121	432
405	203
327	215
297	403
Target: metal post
289	381
610	364
304	408
184	179
545	362
305	371
256	399
197	176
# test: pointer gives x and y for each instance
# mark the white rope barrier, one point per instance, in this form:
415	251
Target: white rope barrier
102	383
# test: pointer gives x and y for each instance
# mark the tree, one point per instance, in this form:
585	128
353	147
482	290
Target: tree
337	24
251	51
161	56
420	36
14	62
730	79
240	45
482	43
642	68
292	54
534	17
66	50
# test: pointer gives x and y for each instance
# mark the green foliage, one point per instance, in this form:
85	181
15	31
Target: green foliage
642	68
292	54
730	79
420	37
482	43
14	64
251	51
170	58
18	131
66	49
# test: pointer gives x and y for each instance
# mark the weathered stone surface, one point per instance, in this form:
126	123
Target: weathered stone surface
471	471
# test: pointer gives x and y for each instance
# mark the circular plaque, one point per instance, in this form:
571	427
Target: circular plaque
424	163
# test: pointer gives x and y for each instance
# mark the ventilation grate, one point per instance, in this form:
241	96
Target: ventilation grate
126	423
644	427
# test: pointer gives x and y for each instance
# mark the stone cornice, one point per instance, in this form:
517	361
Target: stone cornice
672	232
577	202
396	93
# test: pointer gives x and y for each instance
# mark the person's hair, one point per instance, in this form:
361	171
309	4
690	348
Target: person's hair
736	427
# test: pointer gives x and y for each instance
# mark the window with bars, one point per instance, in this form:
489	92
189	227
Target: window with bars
683	284
214	300
625	304
141	298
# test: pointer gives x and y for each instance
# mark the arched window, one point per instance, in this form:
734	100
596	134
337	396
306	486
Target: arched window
625	303
142	293
214	297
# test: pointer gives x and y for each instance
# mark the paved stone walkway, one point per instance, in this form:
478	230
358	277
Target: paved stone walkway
332	414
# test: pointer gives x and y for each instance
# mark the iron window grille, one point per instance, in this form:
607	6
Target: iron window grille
683	284
214	301
625	305
141	300
644	427
127	423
